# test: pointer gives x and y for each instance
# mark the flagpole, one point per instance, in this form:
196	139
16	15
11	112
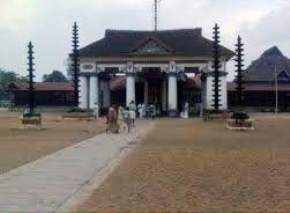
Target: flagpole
276	90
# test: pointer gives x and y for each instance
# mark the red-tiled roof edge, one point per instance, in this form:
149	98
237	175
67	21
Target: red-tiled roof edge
47	86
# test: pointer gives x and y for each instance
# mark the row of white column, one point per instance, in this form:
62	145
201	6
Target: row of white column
130	89
89	92
172	92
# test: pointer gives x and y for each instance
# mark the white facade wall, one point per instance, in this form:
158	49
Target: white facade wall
88	67
130	89
172	88
83	92
172	92
130	83
88	86
169	96
94	92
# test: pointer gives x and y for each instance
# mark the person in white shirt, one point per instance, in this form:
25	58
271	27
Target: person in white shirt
186	110
132	112
140	113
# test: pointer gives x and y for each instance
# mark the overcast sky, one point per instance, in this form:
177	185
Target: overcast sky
261	23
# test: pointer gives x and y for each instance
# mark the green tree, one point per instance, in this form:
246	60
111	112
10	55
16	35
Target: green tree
7	77
55	76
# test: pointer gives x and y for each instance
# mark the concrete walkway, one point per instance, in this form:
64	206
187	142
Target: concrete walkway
50	183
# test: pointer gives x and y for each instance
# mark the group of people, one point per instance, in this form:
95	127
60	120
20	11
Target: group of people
121	119
147	111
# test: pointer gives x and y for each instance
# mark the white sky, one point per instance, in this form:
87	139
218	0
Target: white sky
261	23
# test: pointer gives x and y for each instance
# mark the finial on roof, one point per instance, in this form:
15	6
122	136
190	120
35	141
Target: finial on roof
273	51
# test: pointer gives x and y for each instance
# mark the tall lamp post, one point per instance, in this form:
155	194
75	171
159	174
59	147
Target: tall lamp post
276	91
75	63
31	78
216	67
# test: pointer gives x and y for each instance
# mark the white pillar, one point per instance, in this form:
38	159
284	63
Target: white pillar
172	89
130	88
83	96
172	95
164	95
94	92
146	92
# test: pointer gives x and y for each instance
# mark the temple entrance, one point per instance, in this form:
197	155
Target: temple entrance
154	92
153	79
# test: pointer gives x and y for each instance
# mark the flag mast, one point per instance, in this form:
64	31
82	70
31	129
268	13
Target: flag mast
156	2
276	90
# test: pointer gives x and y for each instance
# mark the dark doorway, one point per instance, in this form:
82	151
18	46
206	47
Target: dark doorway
154	92
139	92
154	77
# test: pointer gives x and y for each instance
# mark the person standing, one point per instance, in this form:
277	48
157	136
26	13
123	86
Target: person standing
152	111
140	111
132	112
121	119
126	115
112	117
143	109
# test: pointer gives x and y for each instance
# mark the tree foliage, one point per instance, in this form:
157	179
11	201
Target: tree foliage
7	77
55	76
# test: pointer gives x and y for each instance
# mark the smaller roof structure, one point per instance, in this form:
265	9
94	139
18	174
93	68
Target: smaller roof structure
261	87
43	86
263	69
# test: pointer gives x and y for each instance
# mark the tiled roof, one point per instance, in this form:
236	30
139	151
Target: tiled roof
263	69
184	42
44	86
259	87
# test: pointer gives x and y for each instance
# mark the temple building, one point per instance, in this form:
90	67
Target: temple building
266	81
45	93
157	67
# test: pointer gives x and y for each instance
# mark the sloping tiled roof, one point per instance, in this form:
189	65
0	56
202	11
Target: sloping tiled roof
184	42
259	87
44	86
263	69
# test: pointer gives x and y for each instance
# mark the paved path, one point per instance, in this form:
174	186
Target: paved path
47	184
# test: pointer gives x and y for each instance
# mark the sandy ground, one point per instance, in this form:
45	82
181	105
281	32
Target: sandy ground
18	146
190	165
